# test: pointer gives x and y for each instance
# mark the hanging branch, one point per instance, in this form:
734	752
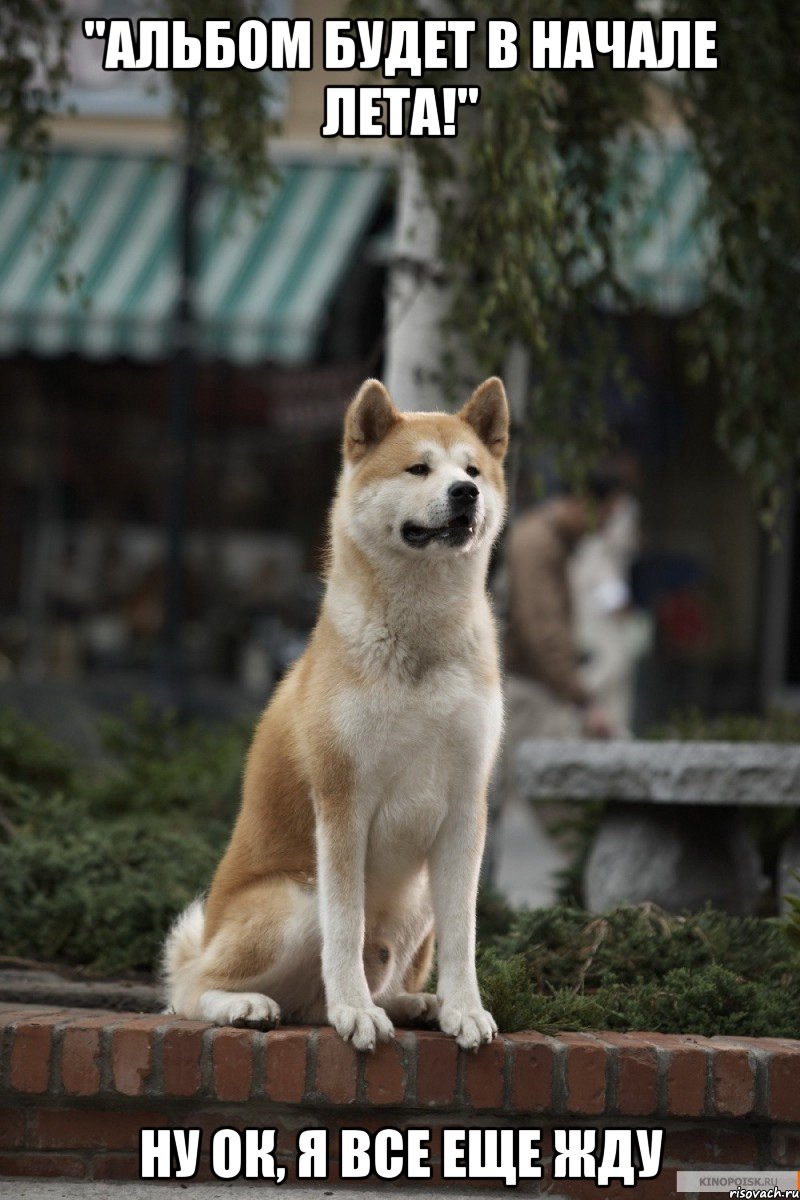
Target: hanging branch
528	194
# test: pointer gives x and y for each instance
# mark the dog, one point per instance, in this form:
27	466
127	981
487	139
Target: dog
363	812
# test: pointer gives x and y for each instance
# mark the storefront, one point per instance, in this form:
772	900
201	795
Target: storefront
288	311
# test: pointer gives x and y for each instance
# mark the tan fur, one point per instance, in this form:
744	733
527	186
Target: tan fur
304	771
418	973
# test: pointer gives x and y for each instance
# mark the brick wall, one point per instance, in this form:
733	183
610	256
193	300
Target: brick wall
77	1085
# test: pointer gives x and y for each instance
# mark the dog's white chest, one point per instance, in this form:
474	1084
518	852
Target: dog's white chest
392	731
415	751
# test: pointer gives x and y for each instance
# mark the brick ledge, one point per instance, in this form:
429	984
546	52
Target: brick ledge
77	1084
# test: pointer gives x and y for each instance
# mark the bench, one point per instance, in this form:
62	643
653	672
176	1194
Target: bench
672	831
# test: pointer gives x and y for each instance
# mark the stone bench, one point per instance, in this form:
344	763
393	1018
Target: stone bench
672	832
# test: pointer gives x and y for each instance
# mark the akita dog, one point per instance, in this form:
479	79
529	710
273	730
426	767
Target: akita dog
363	814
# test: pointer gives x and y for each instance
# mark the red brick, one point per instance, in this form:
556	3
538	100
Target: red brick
80	1061
531	1073
784	1085
484	1084
585	1074
182	1048
116	1166
51	1166
95	1018
285	1079
771	1044
16	1014
385	1073
87	1129
437	1062
785	1147
711	1146
734	1083
687	1073
12	1128
337	1068
232	1063
637	1074
131	1058
753	1043
78	1015
31	1054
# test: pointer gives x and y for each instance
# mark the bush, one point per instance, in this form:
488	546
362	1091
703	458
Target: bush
161	766
30	756
637	968
100	895
95	862
691	725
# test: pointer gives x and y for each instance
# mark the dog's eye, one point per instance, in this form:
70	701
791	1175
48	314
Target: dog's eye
472	471
419	469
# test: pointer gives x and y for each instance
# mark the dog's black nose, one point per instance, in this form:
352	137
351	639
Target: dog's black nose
462	494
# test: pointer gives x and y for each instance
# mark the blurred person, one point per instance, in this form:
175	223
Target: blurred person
611	634
547	695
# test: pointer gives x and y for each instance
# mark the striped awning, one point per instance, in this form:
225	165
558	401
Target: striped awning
89	257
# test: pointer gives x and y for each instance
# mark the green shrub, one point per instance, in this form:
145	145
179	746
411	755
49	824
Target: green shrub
160	765
691	725
567	947
792	922
637	968
100	895
95	863
710	1002
30	756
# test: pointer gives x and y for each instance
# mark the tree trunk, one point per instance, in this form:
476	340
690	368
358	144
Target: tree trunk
418	298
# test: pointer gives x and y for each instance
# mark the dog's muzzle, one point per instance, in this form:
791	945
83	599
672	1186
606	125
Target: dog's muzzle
462	499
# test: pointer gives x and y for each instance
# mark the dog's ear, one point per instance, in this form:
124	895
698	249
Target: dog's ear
487	412
369	418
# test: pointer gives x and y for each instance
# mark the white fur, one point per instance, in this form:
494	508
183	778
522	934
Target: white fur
239	1008
185	941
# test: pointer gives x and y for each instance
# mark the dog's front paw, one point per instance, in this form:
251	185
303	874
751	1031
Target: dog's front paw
361	1026
469	1026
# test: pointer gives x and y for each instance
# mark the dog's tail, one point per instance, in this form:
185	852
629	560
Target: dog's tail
182	950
